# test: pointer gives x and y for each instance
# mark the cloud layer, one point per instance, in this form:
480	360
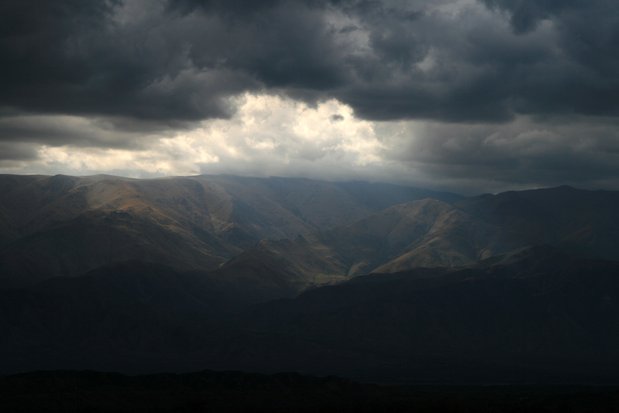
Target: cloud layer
521	91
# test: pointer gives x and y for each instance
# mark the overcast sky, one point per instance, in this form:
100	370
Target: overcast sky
464	95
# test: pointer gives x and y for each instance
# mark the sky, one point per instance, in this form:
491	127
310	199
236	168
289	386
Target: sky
461	95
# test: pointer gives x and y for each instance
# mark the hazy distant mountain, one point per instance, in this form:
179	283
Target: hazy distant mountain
427	233
575	220
432	233
65	226
306	232
422	233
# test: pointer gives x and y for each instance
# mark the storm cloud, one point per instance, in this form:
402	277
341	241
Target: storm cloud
124	75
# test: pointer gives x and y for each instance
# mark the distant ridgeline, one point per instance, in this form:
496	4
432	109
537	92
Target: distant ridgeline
271	274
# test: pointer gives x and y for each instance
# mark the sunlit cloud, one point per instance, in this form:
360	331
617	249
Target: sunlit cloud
268	135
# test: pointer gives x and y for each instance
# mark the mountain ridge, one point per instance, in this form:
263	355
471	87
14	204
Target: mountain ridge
65	226
306	232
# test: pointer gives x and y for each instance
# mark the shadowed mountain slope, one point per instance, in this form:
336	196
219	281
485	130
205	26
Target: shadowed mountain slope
432	233
65	226
315	232
575	220
425	233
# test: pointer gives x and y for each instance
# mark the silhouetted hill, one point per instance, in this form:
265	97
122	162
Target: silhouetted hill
106	315
69	391
536	315
131	316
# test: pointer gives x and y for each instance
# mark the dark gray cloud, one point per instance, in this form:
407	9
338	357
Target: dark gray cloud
122	73
11	152
57	130
524	153
180	60
525	15
93	57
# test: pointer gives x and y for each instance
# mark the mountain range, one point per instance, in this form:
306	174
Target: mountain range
366	280
66	226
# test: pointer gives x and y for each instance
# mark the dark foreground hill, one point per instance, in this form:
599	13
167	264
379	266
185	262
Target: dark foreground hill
207	391
131	317
535	316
